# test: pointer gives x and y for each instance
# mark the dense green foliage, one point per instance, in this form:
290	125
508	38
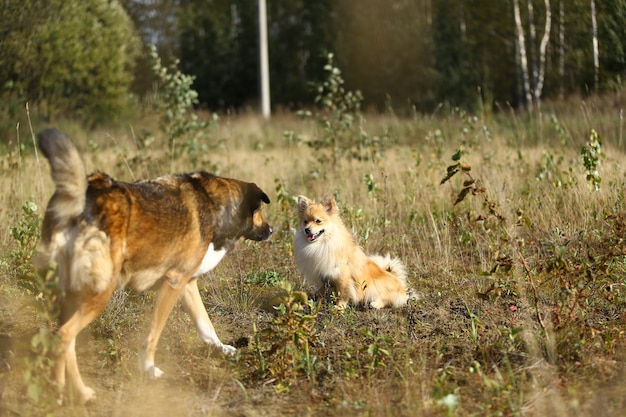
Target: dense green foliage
219	45
401	54
67	55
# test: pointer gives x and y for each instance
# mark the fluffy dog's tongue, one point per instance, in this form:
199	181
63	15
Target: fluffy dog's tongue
310	237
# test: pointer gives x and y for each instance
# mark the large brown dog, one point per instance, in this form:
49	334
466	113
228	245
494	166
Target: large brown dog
157	234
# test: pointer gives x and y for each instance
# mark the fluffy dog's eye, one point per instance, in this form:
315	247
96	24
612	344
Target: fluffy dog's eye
318	221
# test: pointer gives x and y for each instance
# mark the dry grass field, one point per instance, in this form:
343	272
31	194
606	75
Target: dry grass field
522	282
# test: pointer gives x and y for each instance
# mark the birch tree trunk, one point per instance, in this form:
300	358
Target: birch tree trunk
523	59
542	54
532	42
596	57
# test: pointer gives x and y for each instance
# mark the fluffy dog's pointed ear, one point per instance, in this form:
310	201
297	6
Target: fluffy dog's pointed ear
303	203
330	204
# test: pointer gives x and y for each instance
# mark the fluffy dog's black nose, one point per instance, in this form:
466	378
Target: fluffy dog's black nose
307	230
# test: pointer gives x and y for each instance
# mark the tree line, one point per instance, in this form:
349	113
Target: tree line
90	56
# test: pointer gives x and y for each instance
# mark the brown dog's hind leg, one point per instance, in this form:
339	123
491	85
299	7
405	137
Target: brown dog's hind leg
169	293
79	309
196	310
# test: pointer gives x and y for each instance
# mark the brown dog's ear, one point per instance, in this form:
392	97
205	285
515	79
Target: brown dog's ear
255	192
330	204
303	203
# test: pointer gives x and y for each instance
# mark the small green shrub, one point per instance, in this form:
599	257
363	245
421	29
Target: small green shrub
286	203
25	231
343	132
378	349
470	185
176	100
552	168
283	351
267	278
591	153
43	287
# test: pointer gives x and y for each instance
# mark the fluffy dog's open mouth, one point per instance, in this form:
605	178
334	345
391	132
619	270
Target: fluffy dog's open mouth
312	237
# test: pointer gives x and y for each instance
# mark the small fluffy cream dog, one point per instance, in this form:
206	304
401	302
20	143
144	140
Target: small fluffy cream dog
326	251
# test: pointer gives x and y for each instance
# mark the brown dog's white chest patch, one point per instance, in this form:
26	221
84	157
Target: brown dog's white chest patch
211	258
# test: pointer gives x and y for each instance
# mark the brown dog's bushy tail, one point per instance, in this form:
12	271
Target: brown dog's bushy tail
81	254
68	173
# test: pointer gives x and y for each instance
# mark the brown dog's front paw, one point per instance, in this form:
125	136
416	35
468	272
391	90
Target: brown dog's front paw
152	372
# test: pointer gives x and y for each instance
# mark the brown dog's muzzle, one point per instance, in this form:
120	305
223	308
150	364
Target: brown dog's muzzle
262	233
261	230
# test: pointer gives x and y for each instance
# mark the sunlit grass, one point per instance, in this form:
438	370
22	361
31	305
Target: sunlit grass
519	317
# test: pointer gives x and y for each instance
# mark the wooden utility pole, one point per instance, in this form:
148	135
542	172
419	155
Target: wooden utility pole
263	50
